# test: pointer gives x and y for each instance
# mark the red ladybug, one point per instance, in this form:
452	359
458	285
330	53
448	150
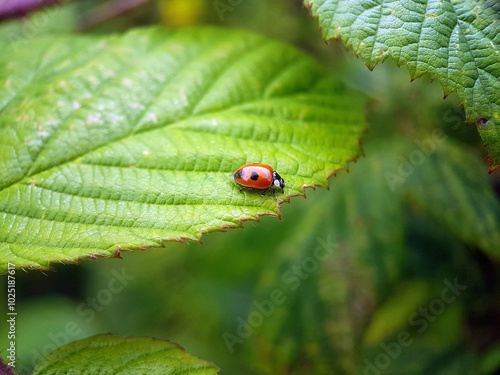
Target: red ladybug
258	176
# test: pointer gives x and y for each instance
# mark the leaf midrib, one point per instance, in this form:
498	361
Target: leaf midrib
134	201
119	139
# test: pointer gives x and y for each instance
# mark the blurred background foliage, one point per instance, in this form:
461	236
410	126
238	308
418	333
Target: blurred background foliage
419	212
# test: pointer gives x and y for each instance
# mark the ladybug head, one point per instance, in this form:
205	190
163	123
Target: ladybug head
278	181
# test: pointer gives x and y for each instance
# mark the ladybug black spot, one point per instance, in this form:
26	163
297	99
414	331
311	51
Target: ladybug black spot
254	176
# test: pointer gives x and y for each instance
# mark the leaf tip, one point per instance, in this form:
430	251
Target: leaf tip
493	168
370	66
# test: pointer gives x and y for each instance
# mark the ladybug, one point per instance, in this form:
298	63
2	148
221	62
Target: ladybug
258	176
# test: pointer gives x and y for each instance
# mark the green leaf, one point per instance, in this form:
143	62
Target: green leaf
104	354
456	42
448	186
124	142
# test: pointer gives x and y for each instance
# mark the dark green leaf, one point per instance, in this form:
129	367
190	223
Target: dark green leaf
104	354
456	42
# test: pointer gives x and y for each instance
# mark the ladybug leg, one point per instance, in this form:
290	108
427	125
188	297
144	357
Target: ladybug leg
244	188
263	194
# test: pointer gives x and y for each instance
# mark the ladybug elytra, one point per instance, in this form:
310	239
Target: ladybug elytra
258	176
